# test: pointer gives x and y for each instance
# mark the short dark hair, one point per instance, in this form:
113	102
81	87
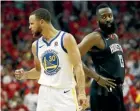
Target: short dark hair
42	13
104	5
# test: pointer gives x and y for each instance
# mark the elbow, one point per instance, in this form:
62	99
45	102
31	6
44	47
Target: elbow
81	52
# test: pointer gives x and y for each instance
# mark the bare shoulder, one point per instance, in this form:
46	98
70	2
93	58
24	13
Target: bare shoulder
68	39
93	36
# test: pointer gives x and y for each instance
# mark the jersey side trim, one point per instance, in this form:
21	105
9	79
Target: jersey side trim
62	44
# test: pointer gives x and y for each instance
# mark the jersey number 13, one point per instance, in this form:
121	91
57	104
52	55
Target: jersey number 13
121	60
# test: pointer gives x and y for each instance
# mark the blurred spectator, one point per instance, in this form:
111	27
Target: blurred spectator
135	68
30	100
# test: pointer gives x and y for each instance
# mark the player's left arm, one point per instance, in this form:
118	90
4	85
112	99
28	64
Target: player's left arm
75	58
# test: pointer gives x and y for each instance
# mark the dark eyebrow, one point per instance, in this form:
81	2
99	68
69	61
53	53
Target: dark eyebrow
105	13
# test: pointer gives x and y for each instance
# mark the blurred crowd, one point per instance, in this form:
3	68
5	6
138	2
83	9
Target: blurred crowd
77	18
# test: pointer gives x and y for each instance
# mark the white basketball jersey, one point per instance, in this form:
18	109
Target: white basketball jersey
56	67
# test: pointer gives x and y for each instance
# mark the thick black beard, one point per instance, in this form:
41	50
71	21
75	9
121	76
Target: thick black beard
108	30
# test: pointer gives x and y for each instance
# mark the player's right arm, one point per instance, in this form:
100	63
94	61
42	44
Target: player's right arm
94	39
34	73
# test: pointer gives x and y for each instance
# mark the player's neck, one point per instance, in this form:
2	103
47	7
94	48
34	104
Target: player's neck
49	32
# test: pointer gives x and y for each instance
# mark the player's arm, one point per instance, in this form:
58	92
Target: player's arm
92	39
34	73
74	55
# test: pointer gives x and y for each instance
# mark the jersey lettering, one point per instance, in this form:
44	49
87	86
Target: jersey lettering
115	48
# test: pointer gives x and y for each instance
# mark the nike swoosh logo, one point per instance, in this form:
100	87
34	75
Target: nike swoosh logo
41	46
66	91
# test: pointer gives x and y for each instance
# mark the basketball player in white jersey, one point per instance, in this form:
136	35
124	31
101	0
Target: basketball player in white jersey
57	59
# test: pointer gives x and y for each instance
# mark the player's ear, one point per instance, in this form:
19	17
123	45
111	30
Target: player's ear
41	21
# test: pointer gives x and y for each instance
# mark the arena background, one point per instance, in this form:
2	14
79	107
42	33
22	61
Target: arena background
77	18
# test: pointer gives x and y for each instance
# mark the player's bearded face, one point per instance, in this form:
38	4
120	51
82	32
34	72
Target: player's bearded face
108	27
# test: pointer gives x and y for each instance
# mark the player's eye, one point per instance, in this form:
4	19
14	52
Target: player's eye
110	15
103	17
